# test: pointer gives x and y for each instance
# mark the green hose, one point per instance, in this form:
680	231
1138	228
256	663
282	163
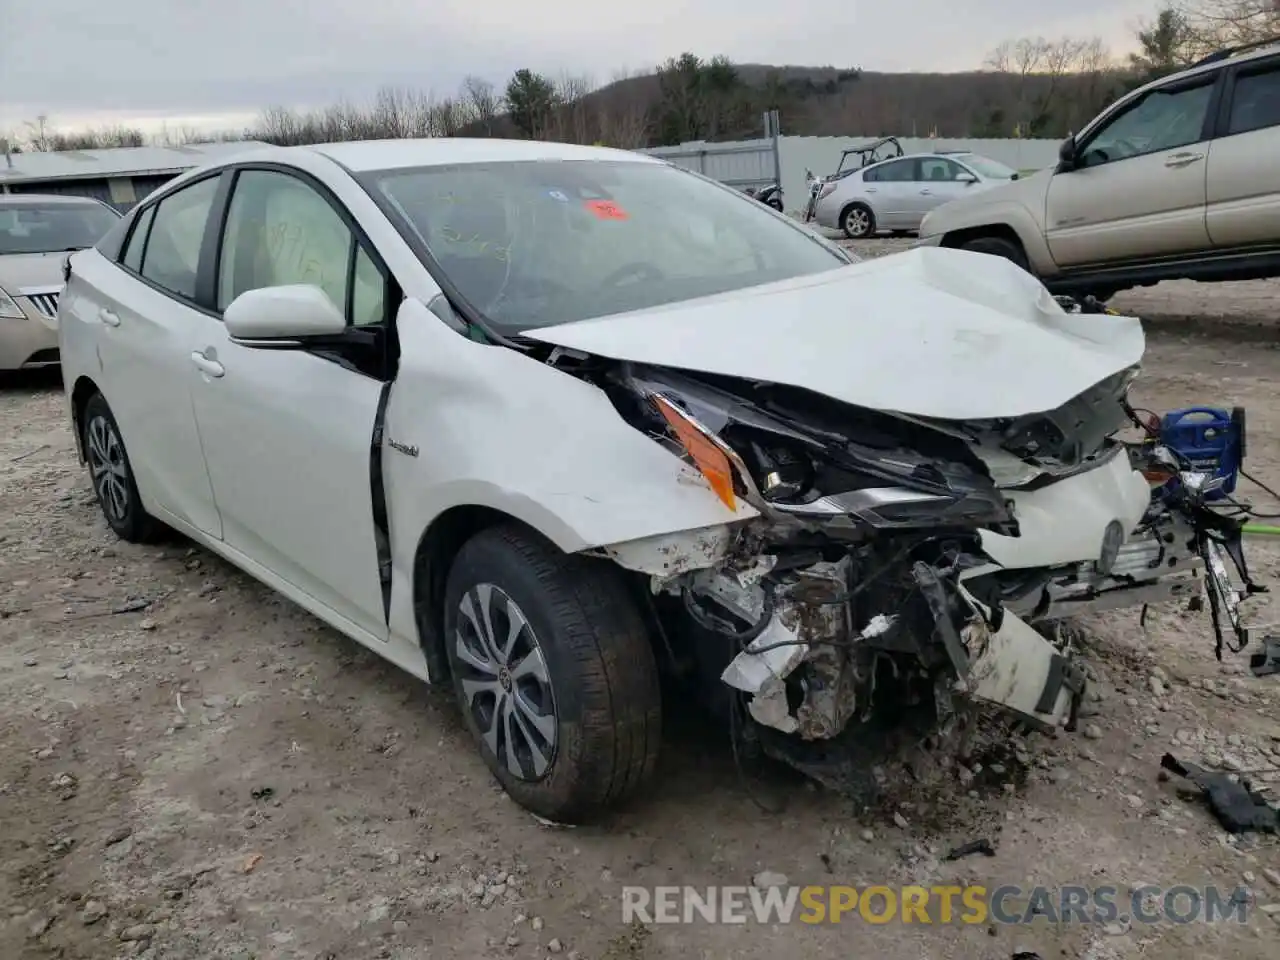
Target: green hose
1262	529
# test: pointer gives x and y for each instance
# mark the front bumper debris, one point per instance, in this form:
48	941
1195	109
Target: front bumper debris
971	650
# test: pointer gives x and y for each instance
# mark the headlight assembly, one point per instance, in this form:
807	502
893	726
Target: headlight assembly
781	469
9	309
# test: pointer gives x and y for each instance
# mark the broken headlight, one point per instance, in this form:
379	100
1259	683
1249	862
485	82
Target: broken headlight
783	467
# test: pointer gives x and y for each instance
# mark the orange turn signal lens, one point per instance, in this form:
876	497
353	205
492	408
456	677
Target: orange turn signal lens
707	457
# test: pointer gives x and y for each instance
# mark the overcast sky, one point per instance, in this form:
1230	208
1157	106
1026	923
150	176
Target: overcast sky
215	63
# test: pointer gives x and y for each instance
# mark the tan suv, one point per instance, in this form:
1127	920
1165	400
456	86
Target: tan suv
1180	178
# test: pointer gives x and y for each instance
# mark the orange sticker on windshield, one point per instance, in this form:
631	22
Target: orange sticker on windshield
606	210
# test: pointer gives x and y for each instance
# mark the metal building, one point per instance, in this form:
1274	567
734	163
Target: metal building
120	176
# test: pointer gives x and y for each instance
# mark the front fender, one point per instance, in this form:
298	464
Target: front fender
496	428
958	216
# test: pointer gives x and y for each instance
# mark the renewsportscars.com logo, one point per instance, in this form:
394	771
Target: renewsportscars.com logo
1006	905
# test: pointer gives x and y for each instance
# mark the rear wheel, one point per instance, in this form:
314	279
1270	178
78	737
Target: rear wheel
857	221
112	475
554	672
998	247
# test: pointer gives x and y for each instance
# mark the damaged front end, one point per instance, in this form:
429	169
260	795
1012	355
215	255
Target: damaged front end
894	571
840	606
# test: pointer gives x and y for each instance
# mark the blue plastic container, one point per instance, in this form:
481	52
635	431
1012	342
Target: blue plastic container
1209	440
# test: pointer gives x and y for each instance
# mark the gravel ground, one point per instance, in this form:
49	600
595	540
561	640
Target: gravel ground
215	774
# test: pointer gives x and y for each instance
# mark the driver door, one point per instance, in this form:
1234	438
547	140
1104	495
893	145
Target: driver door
1138	188
288	433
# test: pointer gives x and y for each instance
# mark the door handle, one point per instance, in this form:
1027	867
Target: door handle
108	317
211	367
871	189
1183	159
924	193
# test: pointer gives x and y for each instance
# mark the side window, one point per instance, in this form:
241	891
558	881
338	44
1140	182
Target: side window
899	171
1255	103
281	231
935	168
172	252
1162	120
138	240
368	292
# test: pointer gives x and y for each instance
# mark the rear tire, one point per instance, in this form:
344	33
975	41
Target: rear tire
857	221
554	673
998	247
111	474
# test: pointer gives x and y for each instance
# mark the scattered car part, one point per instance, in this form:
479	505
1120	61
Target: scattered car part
1237	808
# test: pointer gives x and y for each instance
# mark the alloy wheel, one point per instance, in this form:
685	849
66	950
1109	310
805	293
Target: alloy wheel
857	223
504	681
108	468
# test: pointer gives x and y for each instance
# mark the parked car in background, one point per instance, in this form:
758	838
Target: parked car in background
36	233
897	194
1179	179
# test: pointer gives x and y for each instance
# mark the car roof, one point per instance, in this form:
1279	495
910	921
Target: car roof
1217	61
46	199
362	155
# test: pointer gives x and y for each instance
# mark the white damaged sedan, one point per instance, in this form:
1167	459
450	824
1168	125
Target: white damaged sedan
548	421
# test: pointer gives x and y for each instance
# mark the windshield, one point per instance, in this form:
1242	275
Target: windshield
36	227
992	169
533	244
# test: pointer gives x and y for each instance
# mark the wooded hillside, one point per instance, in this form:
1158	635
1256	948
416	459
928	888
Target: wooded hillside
1028	87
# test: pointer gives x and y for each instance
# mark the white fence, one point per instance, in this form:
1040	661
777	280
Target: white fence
822	154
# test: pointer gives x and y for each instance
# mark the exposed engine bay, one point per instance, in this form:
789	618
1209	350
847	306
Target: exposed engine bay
918	564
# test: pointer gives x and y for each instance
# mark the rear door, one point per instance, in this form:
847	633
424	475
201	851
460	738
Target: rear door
147	311
891	190
1138	188
1244	165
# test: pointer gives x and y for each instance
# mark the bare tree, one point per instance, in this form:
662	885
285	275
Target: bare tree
570	118
483	101
1225	23
1098	82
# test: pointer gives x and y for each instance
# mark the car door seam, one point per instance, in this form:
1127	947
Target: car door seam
378	501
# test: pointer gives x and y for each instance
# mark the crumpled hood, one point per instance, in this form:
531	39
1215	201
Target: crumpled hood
930	332
21	270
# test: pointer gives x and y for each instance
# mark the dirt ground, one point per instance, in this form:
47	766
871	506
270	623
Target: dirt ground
214	774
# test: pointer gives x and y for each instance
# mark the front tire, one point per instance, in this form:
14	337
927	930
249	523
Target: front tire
857	221
111	474
999	247
554	673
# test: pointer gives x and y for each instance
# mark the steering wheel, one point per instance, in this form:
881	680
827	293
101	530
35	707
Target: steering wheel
639	269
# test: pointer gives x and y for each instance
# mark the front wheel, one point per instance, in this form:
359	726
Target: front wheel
554	672
999	247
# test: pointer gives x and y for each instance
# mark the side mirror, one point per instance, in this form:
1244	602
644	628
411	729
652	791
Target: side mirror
967	179
274	316
1067	153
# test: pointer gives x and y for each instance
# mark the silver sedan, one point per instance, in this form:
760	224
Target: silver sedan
36	233
896	194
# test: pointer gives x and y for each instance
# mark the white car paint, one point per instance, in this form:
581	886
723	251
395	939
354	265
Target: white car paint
930	332
263	455
1068	519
